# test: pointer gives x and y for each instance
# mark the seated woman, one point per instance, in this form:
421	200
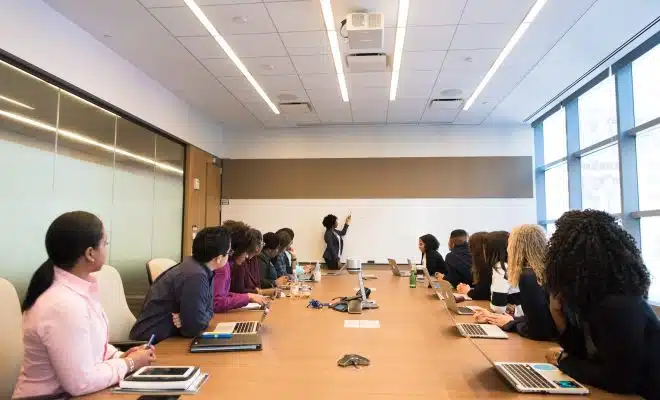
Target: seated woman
65	330
245	278
598	286
243	244
504	298
526	270
267	270
482	273
431	259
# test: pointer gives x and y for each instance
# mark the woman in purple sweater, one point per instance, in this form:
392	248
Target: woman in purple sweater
243	245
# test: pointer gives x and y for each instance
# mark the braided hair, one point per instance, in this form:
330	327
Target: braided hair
591	257
527	247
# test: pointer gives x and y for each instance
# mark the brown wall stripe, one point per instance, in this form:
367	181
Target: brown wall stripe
354	178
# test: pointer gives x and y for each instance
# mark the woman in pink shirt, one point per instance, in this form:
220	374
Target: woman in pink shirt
65	330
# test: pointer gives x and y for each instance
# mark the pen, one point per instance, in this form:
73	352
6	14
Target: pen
150	342
215	335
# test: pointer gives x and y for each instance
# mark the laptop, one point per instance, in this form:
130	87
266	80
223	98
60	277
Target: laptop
537	378
482	331
447	294
337	272
309	277
366	303
430	280
242	328
395	268
202	344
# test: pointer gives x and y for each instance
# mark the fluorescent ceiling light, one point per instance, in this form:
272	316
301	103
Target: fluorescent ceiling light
230	52
15	102
529	18
87	140
329	19
398	45
80	99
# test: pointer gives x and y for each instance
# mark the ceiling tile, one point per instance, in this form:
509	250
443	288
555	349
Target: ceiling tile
320	81
335	116
469	119
435	12
482	36
174	3
309	118
320	64
362	97
269	65
221	67
257	45
327	98
479	60
416	84
292	16
502	11
203	47
370	115
428	38
179	21
455	79
406	110
439	115
283	88
368	79
422	60
255	18
306	43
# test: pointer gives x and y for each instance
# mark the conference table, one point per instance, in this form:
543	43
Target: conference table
416	353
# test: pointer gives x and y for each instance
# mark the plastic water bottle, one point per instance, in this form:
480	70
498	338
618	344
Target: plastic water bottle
413	277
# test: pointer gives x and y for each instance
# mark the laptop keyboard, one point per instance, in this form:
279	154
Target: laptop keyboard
466	310
245	327
474	330
527	376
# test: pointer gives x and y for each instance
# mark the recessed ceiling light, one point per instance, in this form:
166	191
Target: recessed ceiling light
203	19
451	92
529	18
239	19
402	21
468	59
329	19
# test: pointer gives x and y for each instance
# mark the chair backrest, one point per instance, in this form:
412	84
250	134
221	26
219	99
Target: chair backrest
11	345
157	266
113	300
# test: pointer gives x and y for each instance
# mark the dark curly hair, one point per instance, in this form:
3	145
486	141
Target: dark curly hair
329	221
590	257
430	242
244	239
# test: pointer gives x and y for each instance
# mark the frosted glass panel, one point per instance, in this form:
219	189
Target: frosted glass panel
168	197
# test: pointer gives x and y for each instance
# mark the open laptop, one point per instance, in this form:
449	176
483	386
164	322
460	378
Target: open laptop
340	271
309	277
366	303
481	331
538	378
395	268
447	294
242	328
430	280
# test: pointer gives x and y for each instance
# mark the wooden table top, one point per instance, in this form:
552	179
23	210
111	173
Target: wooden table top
416	353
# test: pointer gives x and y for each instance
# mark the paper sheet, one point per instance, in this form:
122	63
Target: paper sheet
361	323
252	306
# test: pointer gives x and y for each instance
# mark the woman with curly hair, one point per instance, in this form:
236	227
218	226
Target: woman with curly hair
598	287
526	271
431	259
482	274
334	240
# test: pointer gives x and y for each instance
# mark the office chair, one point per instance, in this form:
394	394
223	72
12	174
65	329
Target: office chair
11	345
113	300
157	266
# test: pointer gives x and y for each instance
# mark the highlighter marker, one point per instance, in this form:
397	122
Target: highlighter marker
216	335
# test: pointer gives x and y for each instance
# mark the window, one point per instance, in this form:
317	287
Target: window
648	165
550	230
646	86
597	113
556	191
651	253
600	180
554	137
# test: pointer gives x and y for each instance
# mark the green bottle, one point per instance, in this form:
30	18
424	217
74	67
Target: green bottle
413	277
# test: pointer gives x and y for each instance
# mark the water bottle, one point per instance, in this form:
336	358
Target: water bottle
413	277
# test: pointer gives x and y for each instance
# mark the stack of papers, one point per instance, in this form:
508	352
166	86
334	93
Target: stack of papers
361	323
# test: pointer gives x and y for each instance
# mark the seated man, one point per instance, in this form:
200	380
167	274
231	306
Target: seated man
459	259
244	242
185	289
267	270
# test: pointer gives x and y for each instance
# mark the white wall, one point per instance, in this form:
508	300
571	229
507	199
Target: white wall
382	141
381	228
34	32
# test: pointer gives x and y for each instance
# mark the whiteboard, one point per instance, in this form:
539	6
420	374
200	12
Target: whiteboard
381	228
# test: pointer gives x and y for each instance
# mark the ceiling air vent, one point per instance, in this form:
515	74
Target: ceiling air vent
295	108
367	62
446	104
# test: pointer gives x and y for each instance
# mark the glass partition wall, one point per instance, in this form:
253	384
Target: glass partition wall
61	153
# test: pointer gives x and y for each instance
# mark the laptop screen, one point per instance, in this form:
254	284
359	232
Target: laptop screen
361	284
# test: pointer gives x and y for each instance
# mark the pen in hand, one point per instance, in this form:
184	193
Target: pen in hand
150	342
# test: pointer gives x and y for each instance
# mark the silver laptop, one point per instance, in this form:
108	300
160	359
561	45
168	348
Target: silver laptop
430	280
242	328
482	331
337	272
538	378
448	295
395	268
366	303
309	277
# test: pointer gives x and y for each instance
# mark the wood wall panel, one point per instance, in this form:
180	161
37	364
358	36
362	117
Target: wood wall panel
354	178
